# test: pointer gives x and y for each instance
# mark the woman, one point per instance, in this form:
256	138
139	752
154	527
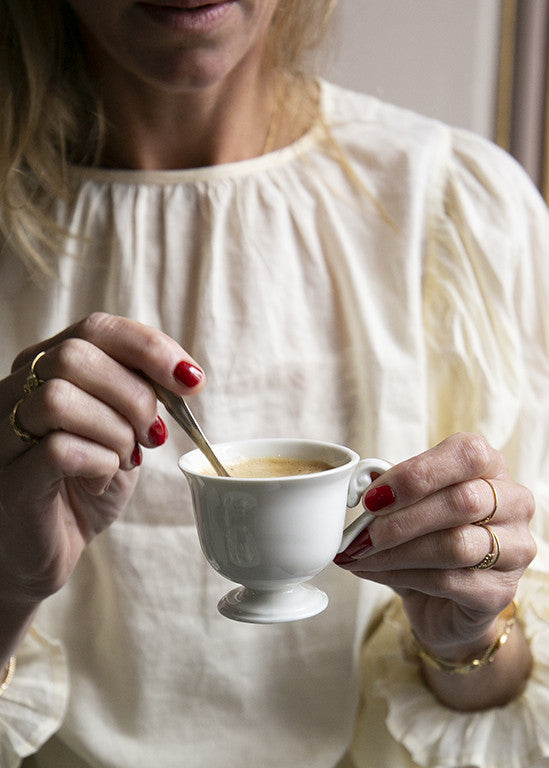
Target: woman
342	270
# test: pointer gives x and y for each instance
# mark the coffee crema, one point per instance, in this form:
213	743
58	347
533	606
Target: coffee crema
273	466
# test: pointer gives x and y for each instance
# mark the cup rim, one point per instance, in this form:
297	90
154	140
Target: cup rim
352	458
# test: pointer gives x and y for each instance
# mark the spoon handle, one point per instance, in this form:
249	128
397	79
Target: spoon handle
180	411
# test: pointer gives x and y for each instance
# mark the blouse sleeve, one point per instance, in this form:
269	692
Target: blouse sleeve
486	286
486	320
33	705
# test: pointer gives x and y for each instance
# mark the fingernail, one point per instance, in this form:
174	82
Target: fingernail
188	374
137	456
360	545
158	433
343	559
379	498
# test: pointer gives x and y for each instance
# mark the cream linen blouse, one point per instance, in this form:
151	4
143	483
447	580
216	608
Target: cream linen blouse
383	305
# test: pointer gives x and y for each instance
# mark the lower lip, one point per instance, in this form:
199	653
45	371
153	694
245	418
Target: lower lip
199	19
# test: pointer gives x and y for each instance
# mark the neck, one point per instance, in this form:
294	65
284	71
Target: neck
151	129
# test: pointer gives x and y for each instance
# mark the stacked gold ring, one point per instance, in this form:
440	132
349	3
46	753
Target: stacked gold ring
493	512
32	382
489	560
21	433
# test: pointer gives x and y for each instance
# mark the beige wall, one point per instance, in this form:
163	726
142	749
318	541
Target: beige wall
438	57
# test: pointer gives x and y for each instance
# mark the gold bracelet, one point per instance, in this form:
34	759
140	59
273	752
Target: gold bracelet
508	617
9	672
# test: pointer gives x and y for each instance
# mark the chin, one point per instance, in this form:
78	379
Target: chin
190	71
190	77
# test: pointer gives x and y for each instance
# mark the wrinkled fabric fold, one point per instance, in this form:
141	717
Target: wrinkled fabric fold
33	706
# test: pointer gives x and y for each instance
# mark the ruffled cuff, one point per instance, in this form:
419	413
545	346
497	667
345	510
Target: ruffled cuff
33	706
434	736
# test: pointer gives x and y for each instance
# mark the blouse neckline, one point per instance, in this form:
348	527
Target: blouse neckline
214	172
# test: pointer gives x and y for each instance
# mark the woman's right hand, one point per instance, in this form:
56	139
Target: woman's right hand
90	416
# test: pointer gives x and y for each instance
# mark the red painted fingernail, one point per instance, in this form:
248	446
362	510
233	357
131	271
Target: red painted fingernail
360	545
188	374
137	456
158	433
379	498
343	559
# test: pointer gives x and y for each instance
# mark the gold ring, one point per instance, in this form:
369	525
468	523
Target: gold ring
33	380
9	672
493	512
22	434
489	560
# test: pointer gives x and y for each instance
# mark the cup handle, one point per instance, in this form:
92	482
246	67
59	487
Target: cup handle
360	480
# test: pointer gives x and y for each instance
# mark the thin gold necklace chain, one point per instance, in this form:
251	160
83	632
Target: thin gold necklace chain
274	122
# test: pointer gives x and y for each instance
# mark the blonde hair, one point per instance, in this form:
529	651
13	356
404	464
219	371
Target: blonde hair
50	116
298	27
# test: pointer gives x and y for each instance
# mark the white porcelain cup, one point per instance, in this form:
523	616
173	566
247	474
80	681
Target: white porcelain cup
272	534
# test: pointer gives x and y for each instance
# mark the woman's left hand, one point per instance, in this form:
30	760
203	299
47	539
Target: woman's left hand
424	542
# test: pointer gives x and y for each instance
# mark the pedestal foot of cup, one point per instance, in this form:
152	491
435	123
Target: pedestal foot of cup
273	606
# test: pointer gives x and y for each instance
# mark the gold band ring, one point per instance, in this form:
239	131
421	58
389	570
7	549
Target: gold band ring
489	560
22	434
493	512
33	380
9	672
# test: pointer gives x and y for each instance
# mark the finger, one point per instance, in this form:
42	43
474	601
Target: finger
456	460
89	368
133	345
59	405
92	370
56	457
462	547
468	502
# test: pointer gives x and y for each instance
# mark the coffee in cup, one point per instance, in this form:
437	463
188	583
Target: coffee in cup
272	466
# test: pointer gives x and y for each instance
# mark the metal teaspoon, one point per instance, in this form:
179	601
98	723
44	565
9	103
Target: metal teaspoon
180	411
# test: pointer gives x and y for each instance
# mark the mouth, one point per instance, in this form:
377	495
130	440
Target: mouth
190	16
182	5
